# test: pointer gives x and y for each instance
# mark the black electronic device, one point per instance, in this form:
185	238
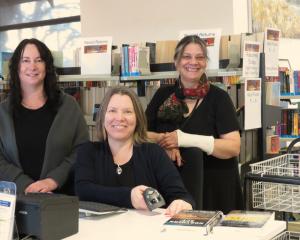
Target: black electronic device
153	198
46	215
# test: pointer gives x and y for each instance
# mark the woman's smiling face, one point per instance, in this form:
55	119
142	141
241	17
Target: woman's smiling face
120	118
192	63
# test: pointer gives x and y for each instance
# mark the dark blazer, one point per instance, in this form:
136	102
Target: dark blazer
95	174
67	131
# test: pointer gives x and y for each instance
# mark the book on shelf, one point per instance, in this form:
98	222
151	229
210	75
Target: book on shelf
193	220
234	51
115	63
96	55
273	144
272	93
165	51
95	111
286	85
152	47
246	219
143	61
135	60
289	122
296	78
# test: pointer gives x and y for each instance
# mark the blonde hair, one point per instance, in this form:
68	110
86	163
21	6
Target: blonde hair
140	131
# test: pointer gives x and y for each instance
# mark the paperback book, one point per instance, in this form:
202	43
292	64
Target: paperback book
194	220
247	219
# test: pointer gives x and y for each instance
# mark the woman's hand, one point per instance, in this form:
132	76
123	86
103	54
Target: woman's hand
137	199
175	156
155	137
45	185
178	205
169	140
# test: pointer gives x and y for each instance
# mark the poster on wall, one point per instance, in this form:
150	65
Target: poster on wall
212	37
264	14
251	59
271	49
96	55
252	103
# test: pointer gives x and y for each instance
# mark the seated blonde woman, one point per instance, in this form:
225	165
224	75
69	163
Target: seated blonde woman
117	169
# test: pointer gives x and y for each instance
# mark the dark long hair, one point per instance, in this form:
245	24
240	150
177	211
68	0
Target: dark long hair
51	87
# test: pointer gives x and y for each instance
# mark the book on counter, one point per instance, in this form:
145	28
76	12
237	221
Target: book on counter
247	219
206	222
252	224
194	220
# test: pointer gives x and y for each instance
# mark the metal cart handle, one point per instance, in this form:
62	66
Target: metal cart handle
273	178
292	144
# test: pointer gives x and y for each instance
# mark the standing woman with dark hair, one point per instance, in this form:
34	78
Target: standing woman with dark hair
196	124
40	126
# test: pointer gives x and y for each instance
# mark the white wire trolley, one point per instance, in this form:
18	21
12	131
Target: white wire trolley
287	236
276	186
276	183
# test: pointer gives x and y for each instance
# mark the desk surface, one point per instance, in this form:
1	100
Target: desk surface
149	225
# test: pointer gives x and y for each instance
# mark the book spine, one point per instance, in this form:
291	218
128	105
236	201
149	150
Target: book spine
125	66
133	69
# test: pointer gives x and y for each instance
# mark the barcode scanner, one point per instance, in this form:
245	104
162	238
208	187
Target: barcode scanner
153	198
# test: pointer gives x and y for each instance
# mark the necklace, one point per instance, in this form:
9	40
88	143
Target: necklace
119	170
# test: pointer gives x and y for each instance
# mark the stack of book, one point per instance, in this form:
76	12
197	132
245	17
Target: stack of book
135	60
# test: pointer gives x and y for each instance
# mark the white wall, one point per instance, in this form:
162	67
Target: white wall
139	20
241	16
290	49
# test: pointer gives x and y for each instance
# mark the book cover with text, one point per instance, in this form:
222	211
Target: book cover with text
96	55
246	219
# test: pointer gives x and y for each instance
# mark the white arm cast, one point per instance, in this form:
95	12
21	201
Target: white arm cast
205	143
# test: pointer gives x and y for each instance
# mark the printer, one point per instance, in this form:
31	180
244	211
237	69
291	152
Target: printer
47	216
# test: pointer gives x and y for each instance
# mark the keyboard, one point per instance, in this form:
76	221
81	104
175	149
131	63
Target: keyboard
87	208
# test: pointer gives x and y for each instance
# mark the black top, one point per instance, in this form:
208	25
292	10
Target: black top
96	178
126	178
213	117
31	130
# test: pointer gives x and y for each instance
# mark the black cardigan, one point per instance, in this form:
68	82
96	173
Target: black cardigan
95	173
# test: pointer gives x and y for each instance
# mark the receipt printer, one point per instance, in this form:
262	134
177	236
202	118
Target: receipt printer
47	216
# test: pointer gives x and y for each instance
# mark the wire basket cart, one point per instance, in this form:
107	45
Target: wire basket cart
287	236
275	185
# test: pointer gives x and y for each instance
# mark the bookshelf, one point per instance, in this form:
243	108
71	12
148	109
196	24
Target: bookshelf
289	97
291	106
174	74
84	78
153	76
271	116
